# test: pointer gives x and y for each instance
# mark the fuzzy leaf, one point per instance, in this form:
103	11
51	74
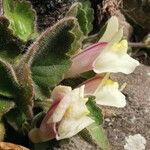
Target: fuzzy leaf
98	136
16	118
26	90
8	80
94	132
22	18
5	106
47	57
95	112
84	13
10	46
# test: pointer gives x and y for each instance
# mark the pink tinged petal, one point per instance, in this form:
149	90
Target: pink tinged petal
56	111
59	92
115	59
83	61
92	84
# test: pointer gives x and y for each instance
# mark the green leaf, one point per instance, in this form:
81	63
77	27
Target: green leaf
26	91
8	80
94	132
85	15
95	111
5	106
48	55
10	46
22	18
98	135
16	118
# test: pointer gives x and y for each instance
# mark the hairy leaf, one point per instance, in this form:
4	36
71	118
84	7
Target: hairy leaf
10	46
48	55
5	106
94	132
84	13
22	18
16	118
95	112
8	80
98	136
26	91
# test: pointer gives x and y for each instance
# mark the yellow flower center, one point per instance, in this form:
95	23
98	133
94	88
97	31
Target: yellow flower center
122	46
111	83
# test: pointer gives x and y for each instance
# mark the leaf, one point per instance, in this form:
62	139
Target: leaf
16	118
94	132
8	80
22	18
10	46
98	135
48	55
85	15
5	106
95	112
26	90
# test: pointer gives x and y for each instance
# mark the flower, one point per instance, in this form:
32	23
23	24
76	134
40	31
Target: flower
104	56
106	91
112	27
67	116
114	57
83	61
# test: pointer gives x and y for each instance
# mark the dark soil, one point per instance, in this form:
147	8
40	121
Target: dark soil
50	11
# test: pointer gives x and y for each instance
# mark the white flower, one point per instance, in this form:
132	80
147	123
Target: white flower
67	116
114	57
108	55
112	27
105	91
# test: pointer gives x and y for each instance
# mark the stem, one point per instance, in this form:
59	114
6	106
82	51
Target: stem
137	45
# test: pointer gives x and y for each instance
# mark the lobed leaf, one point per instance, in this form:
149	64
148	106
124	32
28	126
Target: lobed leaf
16	118
95	112
22	18
94	132
5	106
8	80
98	136
26	90
48	58
10	46
85	15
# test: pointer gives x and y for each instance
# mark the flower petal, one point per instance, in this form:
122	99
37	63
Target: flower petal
70	127
84	60
109	95
112	28
92	84
114	58
113	62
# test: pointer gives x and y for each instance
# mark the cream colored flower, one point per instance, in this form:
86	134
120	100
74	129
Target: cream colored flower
67	116
114	57
106	92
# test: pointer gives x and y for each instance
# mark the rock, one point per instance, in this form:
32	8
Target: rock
134	118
